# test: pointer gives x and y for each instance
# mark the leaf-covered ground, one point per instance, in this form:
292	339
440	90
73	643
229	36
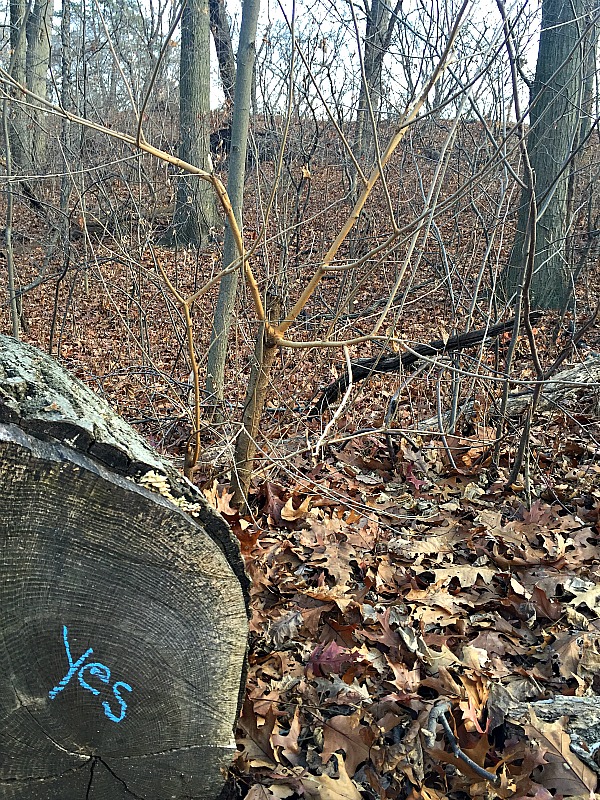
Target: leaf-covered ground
379	592
386	579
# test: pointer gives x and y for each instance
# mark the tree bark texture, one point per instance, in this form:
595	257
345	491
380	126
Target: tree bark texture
18	127
123	618
554	124
217	353
195	209
265	353
31	24
219	25
381	21
39	28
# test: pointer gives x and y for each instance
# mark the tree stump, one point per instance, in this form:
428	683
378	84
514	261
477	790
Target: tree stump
123	620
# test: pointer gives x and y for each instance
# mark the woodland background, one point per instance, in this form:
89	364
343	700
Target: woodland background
378	177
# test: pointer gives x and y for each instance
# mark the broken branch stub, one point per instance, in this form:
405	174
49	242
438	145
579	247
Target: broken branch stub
123	618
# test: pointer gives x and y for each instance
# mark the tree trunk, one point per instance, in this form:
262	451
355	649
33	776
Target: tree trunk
217	353
123	618
589	62
219	25
67	103
195	209
265	353
378	34
18	127
554	124
39	28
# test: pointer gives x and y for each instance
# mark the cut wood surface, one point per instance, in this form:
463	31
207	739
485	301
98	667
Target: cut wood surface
123	619
46	401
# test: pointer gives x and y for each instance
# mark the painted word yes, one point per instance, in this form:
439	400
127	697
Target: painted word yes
85	672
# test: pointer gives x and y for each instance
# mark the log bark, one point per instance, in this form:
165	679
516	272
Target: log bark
559	390
580	716
123	619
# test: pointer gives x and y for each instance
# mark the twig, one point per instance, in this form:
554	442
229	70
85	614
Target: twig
441	422
438	714
339	409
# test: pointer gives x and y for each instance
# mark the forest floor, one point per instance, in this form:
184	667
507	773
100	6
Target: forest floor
385	579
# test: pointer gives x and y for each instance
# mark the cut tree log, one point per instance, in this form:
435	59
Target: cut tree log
579	718
123	618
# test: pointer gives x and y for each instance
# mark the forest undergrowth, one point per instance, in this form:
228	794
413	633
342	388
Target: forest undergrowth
394	565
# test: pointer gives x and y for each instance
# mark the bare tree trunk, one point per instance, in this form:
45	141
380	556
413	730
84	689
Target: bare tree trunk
380	26
39	27
195	209
219	26
265	353
19	129
67	103
235	187
590	50
554	118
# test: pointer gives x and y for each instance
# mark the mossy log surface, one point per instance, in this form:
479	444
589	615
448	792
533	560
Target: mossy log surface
123	620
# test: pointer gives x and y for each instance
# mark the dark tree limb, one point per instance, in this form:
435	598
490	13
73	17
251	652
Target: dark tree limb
376	365
438	715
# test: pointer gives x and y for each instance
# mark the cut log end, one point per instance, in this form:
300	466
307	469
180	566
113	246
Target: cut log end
123	636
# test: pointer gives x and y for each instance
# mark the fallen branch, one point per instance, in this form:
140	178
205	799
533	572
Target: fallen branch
438	714
366	367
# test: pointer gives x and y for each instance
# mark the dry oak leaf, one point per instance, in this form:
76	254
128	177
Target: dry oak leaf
258	749
285	628
290	513
466	575
426	794
590	598
334	594
346	733
564	773
289	743
329	658
322	787
258	792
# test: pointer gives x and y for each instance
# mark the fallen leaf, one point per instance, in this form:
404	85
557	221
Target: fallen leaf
290	513
346	733
257	747
289	742
330	658
322	787
564	773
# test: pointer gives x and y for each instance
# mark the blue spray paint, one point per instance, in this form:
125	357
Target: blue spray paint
93	669
73	666
118	685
